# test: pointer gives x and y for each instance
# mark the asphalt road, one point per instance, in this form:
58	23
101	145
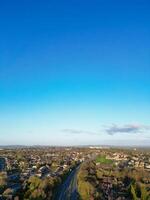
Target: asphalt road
68	190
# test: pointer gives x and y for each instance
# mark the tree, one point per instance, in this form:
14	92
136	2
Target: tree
144	193
133	192
3	181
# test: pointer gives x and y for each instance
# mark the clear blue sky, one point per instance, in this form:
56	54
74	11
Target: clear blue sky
74	71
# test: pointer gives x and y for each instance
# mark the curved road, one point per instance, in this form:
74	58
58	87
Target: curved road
68	190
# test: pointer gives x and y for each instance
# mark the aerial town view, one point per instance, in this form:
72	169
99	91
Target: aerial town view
74	99
74	173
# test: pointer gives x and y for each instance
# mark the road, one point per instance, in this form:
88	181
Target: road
68	190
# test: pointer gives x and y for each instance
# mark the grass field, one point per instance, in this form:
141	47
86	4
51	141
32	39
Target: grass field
103	160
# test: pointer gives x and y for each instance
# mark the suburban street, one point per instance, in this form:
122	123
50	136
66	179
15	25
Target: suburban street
68	190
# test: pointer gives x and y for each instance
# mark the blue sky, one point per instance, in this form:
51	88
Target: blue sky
75	72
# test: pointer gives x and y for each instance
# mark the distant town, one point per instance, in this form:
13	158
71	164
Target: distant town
92	172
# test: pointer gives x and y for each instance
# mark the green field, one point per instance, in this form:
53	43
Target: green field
103	160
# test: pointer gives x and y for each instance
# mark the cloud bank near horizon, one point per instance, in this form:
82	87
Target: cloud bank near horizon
111	129
128	128
77	131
